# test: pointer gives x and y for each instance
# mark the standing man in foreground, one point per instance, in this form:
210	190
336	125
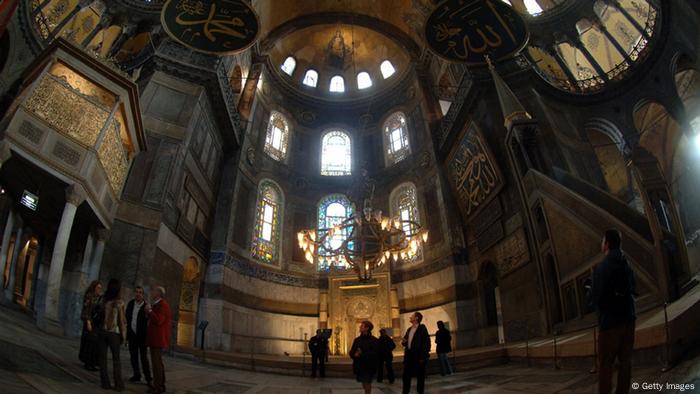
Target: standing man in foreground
318	346
417	351
612	295
136	326
158	336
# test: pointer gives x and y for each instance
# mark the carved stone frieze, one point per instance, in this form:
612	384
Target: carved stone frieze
512	252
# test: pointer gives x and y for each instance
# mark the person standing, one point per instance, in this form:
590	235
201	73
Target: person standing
612	294
386	356
364	353
318	346
112	334
443	348
91	315
416	343
136	326
158	336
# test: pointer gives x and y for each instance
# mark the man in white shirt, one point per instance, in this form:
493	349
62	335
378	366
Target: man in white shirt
136	323
417	351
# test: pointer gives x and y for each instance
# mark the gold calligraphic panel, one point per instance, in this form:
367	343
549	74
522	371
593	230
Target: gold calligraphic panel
113	158
67	111
473	173
466	31
219	27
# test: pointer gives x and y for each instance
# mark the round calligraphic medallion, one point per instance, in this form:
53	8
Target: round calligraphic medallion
219	27
466	31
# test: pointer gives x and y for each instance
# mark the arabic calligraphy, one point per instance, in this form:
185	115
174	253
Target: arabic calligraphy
473	173
468	31
211	26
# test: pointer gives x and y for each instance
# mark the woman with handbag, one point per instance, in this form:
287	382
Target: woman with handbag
91	317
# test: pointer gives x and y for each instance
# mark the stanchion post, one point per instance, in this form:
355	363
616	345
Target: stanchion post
527	349
595	351
667	345
303	356
252	351
556	362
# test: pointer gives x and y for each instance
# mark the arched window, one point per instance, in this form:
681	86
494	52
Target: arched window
333	210
387	69
533	7
396	138
268	222
310	78
337	84
363	80
289	65
336	154
277	136
404	204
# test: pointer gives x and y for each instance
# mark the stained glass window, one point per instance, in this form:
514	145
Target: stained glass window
277	136
387	69
289	65
332	211
364	81
404	204
337	84
266	239
310	78
336	154
396	138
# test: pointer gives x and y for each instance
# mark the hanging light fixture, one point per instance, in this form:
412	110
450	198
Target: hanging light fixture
370	243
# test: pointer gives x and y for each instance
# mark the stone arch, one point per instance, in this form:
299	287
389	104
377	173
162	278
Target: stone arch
488	276
685	172
612	150
659	133
189	297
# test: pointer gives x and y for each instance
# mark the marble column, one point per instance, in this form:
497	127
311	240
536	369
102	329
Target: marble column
75	195
9	226
10	288
96	263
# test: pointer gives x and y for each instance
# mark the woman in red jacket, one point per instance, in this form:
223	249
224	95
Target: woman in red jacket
158	336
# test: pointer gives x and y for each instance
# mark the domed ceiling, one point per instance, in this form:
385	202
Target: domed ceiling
341	37
339	49
278	17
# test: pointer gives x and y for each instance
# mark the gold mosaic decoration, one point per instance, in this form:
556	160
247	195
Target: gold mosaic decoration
113	158
67	111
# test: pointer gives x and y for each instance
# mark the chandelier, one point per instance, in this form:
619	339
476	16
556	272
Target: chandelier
364	241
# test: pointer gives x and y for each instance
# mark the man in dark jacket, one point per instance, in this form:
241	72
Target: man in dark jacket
318	346
612	294
417	351
386	356
136	325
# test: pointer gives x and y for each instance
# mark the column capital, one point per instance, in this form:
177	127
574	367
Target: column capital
75	194
102	234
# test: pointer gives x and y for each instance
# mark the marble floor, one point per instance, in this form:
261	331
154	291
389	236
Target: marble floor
34	362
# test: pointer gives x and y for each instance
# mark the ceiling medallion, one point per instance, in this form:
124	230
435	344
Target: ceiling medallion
467	32
218	27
